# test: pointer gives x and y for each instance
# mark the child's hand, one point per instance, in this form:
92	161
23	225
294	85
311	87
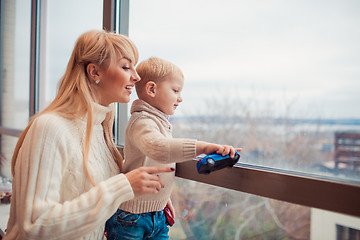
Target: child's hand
207	148
171	207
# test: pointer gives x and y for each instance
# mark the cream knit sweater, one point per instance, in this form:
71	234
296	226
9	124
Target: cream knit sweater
52	197
149	142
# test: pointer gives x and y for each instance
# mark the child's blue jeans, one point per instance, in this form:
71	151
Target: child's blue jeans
125	225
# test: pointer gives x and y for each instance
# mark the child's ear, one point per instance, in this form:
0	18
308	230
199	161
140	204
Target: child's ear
93	72
150	88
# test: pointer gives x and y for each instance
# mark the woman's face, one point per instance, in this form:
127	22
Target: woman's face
116	82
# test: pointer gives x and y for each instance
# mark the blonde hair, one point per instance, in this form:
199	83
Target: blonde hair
155	69
75	93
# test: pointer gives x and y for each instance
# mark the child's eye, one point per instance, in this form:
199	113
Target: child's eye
125	67
175	91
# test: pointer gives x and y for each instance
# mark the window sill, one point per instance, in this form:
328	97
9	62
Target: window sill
281	185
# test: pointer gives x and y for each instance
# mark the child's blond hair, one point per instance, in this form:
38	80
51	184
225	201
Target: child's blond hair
154	69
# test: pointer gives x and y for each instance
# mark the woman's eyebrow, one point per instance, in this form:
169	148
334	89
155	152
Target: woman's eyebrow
126	58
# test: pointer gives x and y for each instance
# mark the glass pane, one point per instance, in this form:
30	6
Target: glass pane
7	147
4	213
63	23
15	64
277	78
207	212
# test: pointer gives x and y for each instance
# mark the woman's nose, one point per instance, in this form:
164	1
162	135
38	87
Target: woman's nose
135	77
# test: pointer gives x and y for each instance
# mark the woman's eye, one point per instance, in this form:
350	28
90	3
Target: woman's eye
125	67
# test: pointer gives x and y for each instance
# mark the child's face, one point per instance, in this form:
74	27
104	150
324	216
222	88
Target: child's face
168	94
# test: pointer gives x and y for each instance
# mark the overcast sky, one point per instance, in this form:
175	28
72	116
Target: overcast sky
271	51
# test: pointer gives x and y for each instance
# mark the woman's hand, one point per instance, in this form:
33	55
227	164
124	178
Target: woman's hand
144	180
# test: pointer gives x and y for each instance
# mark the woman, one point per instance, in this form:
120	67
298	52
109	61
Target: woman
65	167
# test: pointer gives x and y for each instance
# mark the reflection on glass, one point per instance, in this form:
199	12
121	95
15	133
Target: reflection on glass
15	73
208	212
277	79
64	22
7	147
15	59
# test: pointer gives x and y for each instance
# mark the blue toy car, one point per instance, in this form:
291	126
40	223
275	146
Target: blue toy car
214	161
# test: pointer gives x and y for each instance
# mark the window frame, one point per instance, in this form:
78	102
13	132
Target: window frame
1	57
118	21
290	186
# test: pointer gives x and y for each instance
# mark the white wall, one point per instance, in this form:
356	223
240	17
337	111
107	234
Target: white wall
323	224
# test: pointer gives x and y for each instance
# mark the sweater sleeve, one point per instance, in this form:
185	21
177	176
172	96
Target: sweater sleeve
146	135
38	176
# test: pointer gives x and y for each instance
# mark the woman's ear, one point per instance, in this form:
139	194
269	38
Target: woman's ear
150	88
93	72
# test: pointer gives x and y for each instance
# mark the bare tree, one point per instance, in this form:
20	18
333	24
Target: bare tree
208	212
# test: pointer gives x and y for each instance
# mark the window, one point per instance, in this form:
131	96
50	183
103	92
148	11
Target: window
36	41
277	78
347	233
15	70
57	38
274	77
207	212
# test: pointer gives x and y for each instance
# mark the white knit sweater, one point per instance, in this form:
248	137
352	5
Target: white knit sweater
149	142
52	197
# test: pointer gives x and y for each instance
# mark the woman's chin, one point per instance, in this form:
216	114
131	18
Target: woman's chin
124	99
